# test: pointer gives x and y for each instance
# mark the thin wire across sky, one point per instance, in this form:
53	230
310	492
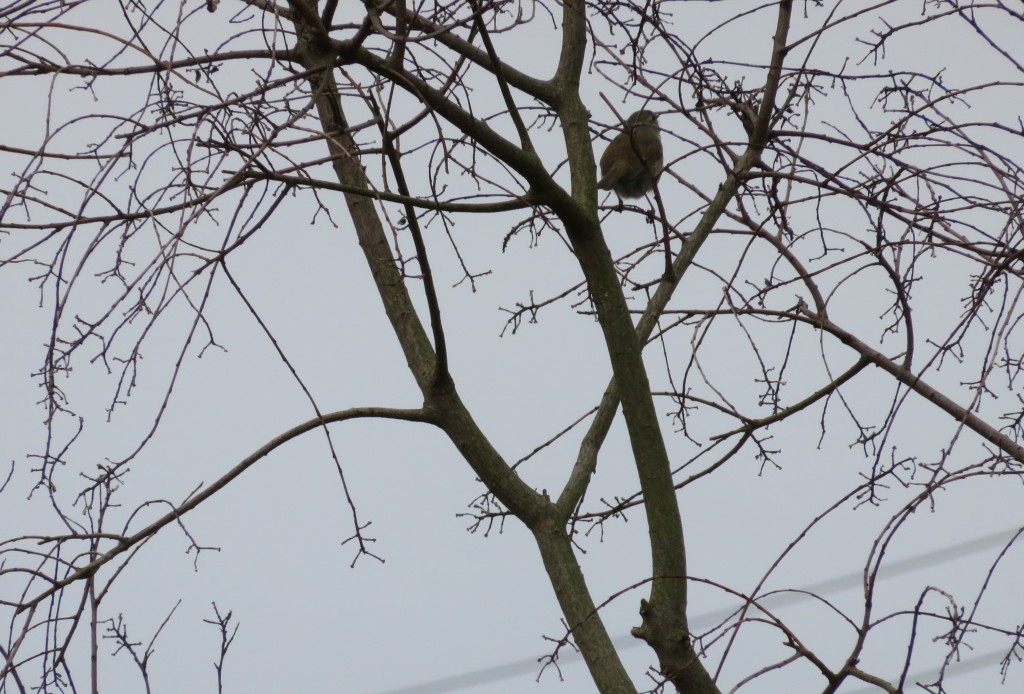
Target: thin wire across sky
517	668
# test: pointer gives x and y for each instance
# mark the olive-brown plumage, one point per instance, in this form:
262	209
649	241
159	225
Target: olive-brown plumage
632	163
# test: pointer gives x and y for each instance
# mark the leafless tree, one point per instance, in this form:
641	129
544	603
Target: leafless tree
863	187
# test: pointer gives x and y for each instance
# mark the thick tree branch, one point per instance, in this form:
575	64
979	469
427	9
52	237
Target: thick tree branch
586	461
440	396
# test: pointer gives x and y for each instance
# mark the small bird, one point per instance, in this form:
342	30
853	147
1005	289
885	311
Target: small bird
632	163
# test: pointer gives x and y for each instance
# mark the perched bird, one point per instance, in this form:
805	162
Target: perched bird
632	163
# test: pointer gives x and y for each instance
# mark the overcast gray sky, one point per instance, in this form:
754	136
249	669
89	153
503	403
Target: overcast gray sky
460	610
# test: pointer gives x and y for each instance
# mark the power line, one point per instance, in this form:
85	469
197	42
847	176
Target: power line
495	673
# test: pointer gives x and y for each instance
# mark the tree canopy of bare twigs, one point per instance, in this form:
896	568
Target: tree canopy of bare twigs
830	266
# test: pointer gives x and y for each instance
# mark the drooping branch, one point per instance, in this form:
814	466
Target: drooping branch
410	415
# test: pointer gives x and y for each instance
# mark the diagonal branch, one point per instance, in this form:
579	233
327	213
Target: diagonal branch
506	93
415	415
919	386
586	460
